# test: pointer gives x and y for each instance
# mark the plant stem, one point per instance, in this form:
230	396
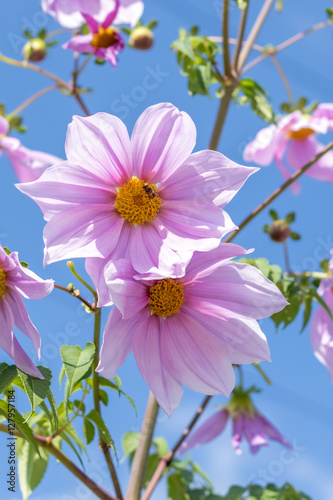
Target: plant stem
286	257
141	456
287	43
73	293
254	33
43	442
225	34
59	31
31	99
71	267
240	37
262	373
105	447
278	191
283	78
59	431
169	457
221	117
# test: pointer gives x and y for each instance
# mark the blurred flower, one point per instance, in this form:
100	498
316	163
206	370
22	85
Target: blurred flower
15	282
321	329
28	164
189	330
146	198
35	50
103	40
68	13
247	423
141	38
293	139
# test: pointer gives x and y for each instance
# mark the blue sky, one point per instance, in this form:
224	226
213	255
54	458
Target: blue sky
300	400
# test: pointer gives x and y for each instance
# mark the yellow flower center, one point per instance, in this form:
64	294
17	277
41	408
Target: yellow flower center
137	201
166	297
104	38
3	285
300	135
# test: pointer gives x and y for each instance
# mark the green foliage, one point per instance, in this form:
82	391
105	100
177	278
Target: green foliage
31	468
88	430
196	57
96	418
269	492
301	105
20	424
241	4
36	389
104	382
7	375
250	92
329	12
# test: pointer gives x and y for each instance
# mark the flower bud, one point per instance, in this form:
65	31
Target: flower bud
279	231
35	50
141	38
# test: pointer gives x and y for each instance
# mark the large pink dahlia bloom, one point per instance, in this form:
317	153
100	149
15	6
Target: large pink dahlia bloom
147	198
68	13
247	423
28	164
103	41
17	282
192	329
294	139
321	328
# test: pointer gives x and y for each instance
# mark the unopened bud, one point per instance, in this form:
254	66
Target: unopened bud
279	231
141	38
35	50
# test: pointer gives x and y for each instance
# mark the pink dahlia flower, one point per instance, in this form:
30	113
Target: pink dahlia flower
68	13
28	164
147	198
247	423
321	328
192	329
103	41
294	139
17	282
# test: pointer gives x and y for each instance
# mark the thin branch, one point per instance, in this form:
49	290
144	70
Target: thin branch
104	446
165	462
73	293
283	78
31	99
44	443
141	456
286	257
262	373
57	32
287	43
221	116
225	34
233	41
254	33
278	191
71	267
240	37
76	414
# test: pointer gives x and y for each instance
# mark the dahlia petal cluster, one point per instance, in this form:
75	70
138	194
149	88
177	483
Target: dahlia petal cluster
17	282
247	422
321	328
292	143
189	330
28	164
69	13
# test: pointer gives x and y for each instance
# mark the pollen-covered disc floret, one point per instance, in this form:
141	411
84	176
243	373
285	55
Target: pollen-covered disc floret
2	283
138	202
105	38
166	297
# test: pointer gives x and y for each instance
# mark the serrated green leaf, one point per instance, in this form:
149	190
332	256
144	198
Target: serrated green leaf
104	382
104	433
71	432
176	487
235	493
200	79
53	406
103	396
31	468
130	442
8	373
45	409
263	265
67	440
307	304
20	425
35	388
88	430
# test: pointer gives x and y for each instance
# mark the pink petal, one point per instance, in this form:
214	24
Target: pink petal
261	151
149	354
26	282
295	186
208	431
81	231
23	362
271	431
301	152
237	433
325	110
130	11
4	126
100	143
205	176
91	22
321	335
80	43
28	164
95	269
112	15
195	357
162	139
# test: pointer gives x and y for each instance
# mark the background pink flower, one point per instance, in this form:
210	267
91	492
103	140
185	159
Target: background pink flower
321	328
68	13
293	139
189	330
17	282
147	198
28	164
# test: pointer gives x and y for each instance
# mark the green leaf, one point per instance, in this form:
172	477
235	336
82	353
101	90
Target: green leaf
7	375
104	382
295	236
290	217
35	388
279	5
65	438
329	12
20	424
235	493
105	436
152	24
241	4
45	409
177	488
103	396
257	97
31	468
200	80
273	214
88	430
185	47
61	376
152	464
288	314
53	406
130	442
117	381
325	265
161	446
77	363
